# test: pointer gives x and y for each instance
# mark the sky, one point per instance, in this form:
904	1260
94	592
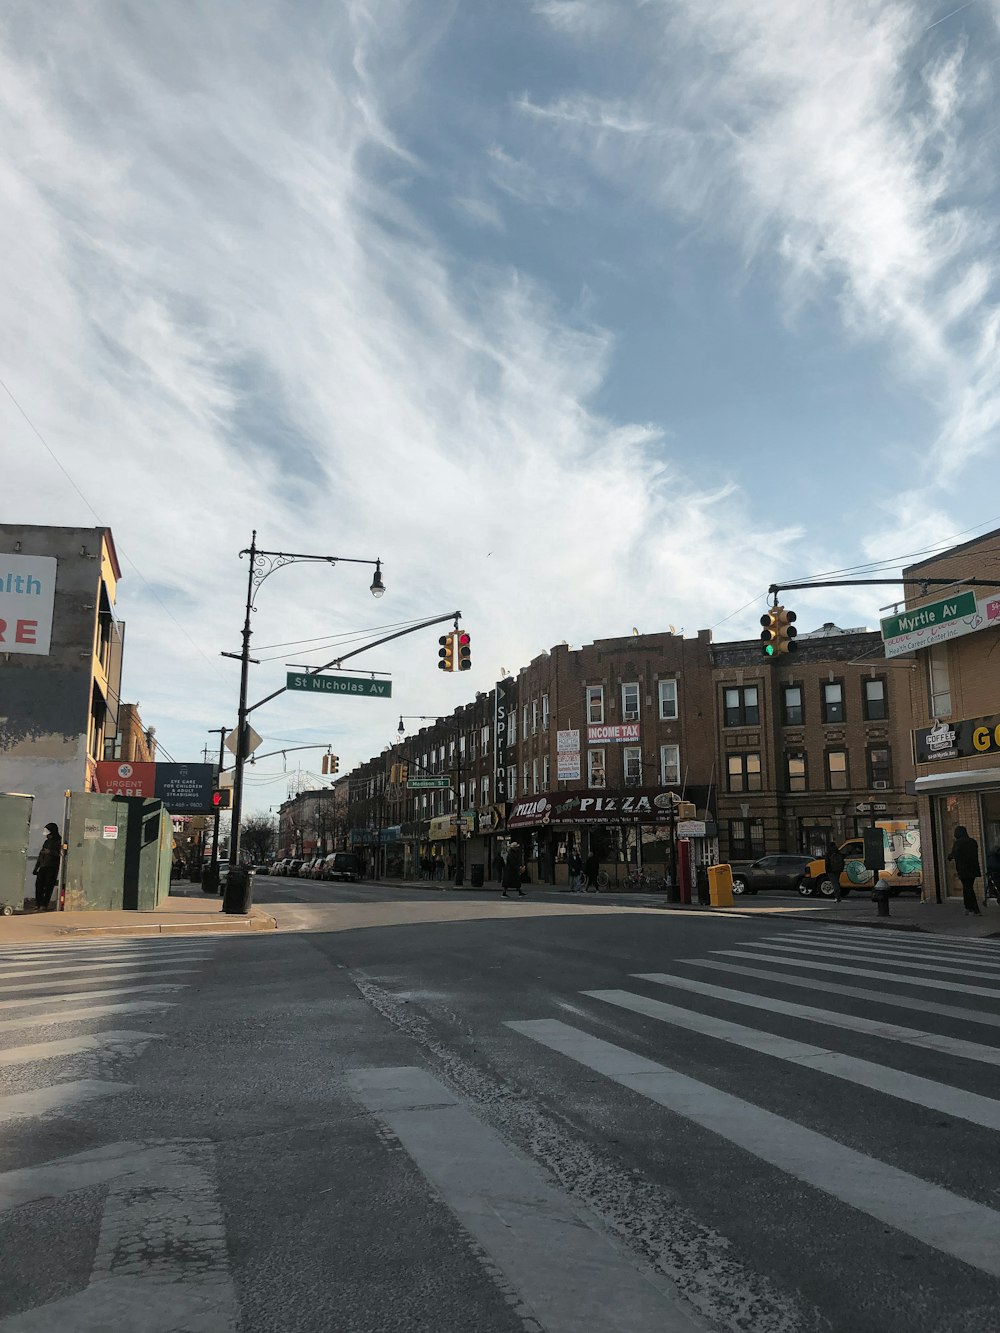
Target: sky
581	315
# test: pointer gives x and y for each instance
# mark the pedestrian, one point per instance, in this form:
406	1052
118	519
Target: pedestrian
512	871
47	867
575	866
834	859
965	853
592	868
993	873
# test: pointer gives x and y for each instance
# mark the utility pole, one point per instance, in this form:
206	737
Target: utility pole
213	868
459	850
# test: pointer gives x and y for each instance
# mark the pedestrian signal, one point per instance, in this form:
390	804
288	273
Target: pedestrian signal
464	651
222	798
446	653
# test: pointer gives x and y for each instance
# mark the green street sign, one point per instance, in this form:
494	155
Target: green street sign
929	617
427	784
371	689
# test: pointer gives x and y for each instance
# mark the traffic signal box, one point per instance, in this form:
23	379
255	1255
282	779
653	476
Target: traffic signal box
446	653
779	632
398	774
222	798
331	763
464	651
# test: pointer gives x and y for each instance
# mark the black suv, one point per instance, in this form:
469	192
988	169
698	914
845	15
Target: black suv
771	872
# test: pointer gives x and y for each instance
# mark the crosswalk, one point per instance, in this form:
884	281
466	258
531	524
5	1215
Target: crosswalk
73	1018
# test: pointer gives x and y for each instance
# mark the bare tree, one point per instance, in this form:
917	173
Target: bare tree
258	837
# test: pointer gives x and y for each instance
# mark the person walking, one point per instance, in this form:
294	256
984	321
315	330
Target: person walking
512	871
47	867
575	866
992	888
965	853
834	859
592	868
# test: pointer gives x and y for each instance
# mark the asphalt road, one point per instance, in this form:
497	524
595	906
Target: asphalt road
407	1110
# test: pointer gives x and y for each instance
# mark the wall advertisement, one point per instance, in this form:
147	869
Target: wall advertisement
568	755
27	601
622	732
185	789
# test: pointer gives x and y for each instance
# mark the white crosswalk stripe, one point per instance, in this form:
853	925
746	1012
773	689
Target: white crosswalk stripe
909	974
63	1008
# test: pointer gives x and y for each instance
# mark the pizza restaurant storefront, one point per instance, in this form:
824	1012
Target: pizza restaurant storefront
958	782
625	829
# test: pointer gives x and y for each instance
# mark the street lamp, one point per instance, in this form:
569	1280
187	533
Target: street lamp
262	565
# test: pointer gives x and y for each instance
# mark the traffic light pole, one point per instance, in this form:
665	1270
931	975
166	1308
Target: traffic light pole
459	857
221	731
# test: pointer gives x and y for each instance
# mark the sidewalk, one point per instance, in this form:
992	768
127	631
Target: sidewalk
906	911
179	914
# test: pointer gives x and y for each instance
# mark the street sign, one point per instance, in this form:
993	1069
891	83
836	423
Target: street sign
935	622
427	784
373	689
253	740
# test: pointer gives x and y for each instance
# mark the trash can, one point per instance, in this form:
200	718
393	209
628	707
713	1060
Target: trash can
720	885
701	881
238	896
673	890
477	875
210	878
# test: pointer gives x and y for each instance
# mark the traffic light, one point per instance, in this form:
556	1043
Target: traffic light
222	798
464	651
331	763
786	631
769	634
446	653
398	773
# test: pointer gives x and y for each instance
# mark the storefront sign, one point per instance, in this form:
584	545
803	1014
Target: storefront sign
598	733
505	705
957	740
115	778
568	755
640	805
27	599
938	622
185	789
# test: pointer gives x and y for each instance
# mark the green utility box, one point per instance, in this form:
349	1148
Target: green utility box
118	853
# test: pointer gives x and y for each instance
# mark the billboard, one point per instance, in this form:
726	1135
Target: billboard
185	789
27	599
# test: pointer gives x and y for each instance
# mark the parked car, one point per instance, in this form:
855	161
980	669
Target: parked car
313	869
294	867
771	872
342	866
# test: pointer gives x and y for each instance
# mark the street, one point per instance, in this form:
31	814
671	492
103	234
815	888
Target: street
418	1111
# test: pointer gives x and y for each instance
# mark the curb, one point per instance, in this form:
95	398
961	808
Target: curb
873	924
243	925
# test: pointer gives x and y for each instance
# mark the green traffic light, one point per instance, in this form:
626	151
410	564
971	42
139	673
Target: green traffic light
769	650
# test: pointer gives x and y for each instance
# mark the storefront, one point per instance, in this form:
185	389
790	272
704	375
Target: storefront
625	829
958	782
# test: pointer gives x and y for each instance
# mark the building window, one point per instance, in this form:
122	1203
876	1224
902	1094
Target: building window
795	769
461	794
545	712
484	789
670	765
511	782
938	681
485	738
879	767
534	777
595	768
791	703
833	701
512	727
546	772
744	772
668	700
524	720
742	706
875	705
525	777
534	716
836	770
595	703
633	765
746	839
630	703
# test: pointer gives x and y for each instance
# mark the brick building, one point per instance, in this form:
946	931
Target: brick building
810	742
956	713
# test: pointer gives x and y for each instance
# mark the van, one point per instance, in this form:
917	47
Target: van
343	866
903	862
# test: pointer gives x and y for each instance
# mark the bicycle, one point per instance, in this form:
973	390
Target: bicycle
601	882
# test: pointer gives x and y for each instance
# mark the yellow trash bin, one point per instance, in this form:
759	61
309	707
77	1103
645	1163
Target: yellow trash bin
720	885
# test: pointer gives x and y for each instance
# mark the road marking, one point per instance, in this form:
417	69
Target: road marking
51	1050
908	937
955	1102
569	1273
894	943
940	1219
869	953
161	1263
34	1001
56	1097
855	992
84	1015
47	971
54	1180
929	1041
953	987
53	986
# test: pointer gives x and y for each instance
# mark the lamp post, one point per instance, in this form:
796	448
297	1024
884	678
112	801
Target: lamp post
262	565
459	850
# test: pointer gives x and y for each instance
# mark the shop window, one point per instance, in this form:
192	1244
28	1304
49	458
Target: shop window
746	839
836	770
791	702
833	701
875	705
595	768
670	765
795	770
742	706
630	703
668	700
595	703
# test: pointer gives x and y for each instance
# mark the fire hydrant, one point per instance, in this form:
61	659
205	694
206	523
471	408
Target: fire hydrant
881	896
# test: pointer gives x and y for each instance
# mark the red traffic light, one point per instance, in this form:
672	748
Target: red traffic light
464	651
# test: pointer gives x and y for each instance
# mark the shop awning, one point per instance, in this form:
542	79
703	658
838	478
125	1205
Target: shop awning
971	777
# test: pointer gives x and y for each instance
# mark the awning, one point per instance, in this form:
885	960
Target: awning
970	777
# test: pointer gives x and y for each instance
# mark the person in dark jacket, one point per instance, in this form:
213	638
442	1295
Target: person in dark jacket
574	866
965	853
512	871
834	858
592	868
993	873
47	867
